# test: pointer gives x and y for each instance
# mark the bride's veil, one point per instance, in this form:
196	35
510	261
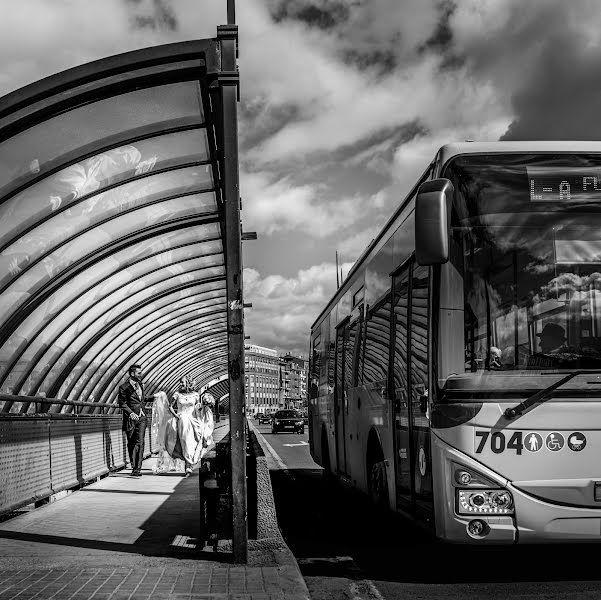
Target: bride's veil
160	419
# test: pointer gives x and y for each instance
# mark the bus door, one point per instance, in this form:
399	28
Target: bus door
340	396
401	418
413	462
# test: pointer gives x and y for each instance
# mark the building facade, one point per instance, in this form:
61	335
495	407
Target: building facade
272	381
262	379
294	376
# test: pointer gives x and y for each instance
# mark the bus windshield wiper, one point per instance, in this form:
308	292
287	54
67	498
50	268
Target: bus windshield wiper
543	395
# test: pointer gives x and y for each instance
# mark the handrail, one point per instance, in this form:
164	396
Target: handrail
43	400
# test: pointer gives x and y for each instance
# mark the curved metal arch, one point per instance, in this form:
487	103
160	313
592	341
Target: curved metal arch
176	336
169	377
140	334
111	371
41	99
119	373
215	352
218	380
181	350
187	336
212	216
117	319
89	370
112	186
102	372
80	265
198	371
182	344
196	367
56	386
43	350
50	342
184	347
154	130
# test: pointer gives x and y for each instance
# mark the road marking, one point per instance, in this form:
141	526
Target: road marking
266	445
299	444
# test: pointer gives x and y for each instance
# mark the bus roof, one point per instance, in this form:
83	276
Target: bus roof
450	150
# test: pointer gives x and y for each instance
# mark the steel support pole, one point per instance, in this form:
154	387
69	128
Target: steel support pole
228	84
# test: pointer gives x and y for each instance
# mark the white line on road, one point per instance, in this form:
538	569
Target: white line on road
266	445
299	444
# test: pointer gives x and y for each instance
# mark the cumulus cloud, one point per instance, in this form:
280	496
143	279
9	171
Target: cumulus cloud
284	308
40	38
279	205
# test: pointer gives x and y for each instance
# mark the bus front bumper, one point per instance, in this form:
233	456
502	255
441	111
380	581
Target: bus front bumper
534	522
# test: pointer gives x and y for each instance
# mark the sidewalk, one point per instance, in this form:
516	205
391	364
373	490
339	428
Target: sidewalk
126	538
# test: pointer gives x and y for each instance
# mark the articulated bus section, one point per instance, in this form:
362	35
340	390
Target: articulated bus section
456	373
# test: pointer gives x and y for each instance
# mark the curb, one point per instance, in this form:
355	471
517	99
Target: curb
270	547
269	536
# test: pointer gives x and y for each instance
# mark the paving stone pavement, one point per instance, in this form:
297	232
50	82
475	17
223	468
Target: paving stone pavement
126	538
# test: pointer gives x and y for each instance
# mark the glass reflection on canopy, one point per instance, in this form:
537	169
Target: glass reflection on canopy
111	226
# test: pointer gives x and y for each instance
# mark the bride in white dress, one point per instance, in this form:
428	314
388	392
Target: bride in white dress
182	429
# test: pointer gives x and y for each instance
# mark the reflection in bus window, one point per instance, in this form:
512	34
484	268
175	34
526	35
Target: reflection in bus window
529	268
377	341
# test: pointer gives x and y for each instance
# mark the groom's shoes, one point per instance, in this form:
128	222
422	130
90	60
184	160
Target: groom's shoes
136	473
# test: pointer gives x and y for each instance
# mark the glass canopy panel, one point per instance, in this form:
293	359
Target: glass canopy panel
90	242
188	332
119	211
97	84
170	370
144	294
130	332
93	175
42	328
116	375
76	132
109	216
202	369
138	337
163	364
72	349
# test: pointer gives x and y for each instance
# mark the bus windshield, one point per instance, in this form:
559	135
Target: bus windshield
526	242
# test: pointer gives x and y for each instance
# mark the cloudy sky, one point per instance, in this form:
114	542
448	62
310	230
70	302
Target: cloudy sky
344	103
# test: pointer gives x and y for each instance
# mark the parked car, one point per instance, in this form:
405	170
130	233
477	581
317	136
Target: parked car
264	418
287	420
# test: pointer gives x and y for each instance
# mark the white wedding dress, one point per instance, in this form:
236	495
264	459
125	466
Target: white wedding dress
185	438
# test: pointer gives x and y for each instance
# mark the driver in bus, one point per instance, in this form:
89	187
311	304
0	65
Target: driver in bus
552	339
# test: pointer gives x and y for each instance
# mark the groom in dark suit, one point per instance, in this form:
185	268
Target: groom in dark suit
131	402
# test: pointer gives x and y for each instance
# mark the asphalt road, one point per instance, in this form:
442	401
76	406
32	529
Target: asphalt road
346	550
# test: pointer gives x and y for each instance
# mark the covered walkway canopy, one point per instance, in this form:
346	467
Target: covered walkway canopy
113	230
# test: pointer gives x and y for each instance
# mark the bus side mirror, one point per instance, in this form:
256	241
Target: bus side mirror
432	222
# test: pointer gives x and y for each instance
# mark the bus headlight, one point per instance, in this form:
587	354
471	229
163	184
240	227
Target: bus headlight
484	502
465	477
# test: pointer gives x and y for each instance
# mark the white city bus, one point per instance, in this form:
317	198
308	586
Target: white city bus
456	373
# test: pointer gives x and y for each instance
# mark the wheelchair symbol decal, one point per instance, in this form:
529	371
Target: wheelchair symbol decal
555	441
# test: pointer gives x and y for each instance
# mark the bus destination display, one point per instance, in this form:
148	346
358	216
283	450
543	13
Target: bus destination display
551	184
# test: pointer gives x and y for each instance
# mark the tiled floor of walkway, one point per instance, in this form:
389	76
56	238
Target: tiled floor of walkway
129	538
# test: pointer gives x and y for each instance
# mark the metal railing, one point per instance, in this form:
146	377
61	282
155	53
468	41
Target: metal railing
44	453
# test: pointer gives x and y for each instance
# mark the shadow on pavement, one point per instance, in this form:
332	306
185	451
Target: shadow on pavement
170	531
334	531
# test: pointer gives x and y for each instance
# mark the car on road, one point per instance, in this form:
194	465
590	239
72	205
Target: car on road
264	418
287	420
